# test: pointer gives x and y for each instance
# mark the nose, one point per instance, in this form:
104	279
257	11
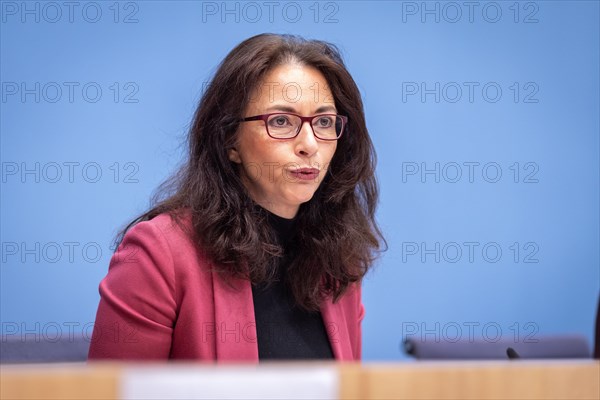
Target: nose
306	141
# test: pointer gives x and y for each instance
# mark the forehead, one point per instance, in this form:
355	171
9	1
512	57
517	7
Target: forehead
293	83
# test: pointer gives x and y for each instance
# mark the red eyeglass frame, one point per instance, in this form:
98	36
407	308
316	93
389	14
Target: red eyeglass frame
265	118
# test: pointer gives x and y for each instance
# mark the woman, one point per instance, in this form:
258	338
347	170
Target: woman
259	246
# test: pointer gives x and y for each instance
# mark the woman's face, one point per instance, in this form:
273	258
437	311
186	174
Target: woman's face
267	165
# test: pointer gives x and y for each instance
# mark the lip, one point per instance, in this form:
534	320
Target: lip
305	174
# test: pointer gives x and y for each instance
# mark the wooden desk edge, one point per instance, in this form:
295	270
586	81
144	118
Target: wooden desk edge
539	379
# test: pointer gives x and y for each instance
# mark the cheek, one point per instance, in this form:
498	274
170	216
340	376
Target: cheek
251	149
330	153
268	162
252	171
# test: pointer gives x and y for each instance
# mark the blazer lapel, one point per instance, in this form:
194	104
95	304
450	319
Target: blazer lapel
336	326
235	324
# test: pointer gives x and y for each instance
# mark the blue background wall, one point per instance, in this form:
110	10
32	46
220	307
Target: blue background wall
509	170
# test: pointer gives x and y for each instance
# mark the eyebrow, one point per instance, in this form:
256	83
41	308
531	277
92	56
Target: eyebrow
280	107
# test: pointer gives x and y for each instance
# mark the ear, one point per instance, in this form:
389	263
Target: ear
234	156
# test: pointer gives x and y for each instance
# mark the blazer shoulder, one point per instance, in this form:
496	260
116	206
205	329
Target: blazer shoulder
171	223
161	249
175	229
167	239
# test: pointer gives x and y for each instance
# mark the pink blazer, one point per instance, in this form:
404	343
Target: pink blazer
160	300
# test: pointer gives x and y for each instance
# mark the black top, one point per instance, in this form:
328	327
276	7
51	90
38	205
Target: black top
284	330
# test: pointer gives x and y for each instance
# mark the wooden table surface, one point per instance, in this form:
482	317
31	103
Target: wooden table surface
523	379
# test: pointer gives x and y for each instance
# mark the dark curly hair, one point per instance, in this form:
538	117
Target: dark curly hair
336	239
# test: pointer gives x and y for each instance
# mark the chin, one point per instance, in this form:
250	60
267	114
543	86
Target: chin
303	198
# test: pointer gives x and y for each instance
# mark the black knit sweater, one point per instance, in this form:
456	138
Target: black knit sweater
284	330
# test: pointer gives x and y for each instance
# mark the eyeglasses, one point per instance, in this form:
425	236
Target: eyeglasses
288	125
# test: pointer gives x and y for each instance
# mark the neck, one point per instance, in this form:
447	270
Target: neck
280	211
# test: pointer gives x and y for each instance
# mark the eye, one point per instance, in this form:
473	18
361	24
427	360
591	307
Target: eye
279	121
324	122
